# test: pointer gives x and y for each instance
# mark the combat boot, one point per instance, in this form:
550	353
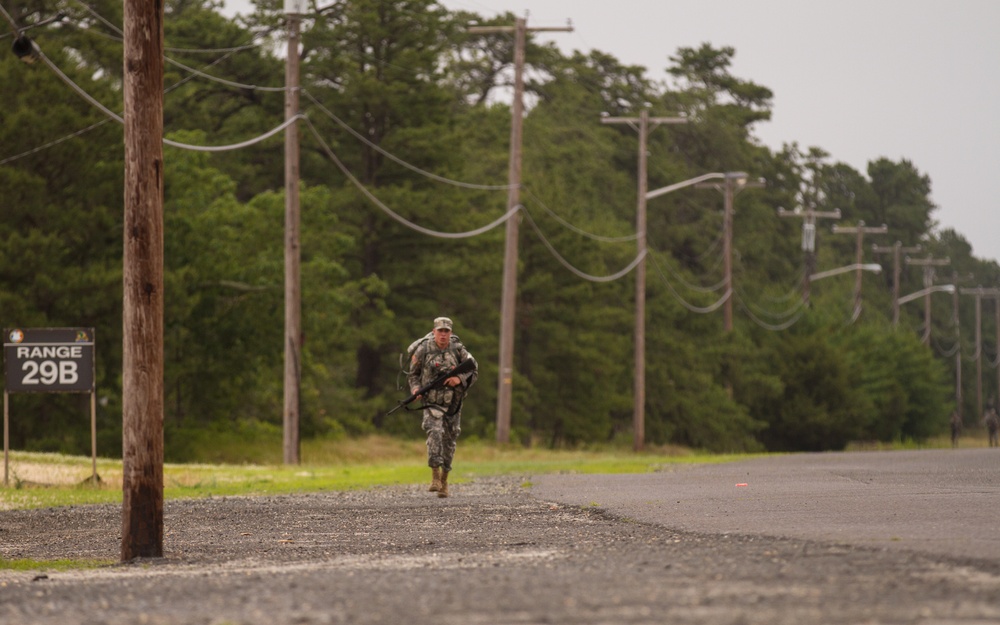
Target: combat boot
435	480
443	492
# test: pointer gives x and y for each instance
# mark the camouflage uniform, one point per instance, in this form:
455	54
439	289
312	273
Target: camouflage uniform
443	415
992	422
956	427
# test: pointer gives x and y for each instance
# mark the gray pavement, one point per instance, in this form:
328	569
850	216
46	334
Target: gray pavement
500	554
933	501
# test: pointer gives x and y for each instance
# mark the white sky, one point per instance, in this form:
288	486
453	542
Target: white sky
861	79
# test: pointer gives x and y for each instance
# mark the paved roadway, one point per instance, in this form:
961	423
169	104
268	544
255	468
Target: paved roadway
936	501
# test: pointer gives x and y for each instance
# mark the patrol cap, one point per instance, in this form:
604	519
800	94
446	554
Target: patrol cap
442	322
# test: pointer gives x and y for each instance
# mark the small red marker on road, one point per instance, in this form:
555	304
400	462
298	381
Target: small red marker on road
742	484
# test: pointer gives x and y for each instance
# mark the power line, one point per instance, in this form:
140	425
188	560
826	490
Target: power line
580	231
16	31
767	326
946	353
323	108
396	159
119	38
409	224
54	142
110	114
228	51
694	287
450	235
796	307
683	302
743	302
457	183
223	81
581	274
795	291
120	34
118	118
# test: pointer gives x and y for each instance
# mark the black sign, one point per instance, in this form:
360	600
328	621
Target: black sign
49	360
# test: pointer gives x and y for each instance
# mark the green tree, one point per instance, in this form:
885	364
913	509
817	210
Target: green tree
818	409
60	258
907	389
902	196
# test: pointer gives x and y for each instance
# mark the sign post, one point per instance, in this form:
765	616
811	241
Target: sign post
49	360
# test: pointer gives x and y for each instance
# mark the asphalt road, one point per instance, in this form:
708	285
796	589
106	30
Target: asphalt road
837	539
934	501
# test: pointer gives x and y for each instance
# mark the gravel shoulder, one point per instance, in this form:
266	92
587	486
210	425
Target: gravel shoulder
492	553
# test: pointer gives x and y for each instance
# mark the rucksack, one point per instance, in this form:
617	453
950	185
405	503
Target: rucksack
404	360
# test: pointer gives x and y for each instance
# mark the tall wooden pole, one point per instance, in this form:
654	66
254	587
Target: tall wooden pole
996	313
142	315
979	353
639	378
508	303
958	347
928	264
897	251
727	255
639	381
980	293
809	216
860	231
735	181
293	289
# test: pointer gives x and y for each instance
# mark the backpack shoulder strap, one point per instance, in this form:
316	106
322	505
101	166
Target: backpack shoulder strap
415	344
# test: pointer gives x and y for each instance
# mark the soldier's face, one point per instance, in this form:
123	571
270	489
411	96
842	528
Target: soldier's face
441	337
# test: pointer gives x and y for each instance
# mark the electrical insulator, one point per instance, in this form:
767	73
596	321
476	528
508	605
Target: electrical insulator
24	49
808	237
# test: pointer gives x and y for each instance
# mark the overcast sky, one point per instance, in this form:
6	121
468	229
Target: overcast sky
861	79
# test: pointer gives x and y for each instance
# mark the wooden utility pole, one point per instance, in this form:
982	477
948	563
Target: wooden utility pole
996	312
980	293
646	124
928	264
508	305
958	344
809	217
727	252
860	230
142	313
897	250
955	279
735	182
293	252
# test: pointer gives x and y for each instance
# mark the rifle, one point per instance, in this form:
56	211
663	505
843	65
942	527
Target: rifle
465	366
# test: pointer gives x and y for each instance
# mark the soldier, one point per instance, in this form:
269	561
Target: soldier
992	423
442	406
956	427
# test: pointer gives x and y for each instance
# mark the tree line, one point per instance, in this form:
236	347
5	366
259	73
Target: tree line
395	91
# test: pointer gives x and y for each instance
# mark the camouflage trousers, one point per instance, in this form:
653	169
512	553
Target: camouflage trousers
442	435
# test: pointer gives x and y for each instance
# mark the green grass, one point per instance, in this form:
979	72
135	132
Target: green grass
25	564
973	438
48	480
38	480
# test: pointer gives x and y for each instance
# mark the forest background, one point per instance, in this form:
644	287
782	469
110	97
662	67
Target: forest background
402	96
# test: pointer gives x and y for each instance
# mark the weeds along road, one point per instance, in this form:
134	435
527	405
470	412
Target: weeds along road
879	537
